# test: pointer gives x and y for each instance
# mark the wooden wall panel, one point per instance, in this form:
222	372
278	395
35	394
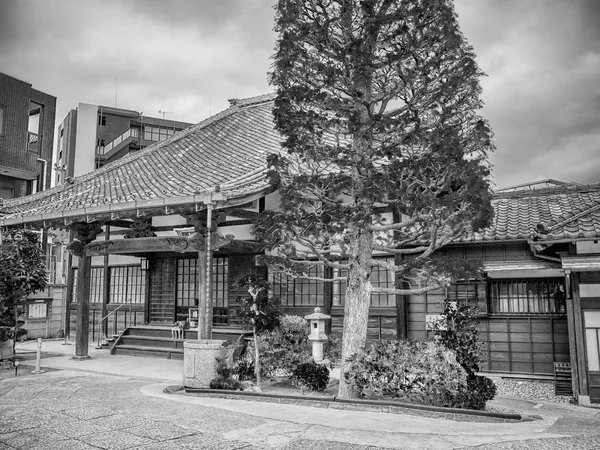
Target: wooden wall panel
526	344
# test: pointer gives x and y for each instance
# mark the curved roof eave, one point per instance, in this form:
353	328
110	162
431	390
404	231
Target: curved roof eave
225	153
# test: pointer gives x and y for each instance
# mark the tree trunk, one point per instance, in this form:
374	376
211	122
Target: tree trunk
256	358
356	310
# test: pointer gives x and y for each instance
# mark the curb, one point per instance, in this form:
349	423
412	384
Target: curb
333	402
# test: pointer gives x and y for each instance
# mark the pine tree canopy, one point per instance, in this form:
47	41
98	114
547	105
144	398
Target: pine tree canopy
377	102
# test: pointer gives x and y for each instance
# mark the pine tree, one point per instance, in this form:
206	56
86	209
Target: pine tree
383	151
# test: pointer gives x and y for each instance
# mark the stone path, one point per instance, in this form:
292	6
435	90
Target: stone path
77	410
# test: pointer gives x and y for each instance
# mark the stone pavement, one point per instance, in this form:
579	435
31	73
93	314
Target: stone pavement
87	407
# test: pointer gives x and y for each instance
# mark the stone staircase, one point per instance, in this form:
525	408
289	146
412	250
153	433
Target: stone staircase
156	341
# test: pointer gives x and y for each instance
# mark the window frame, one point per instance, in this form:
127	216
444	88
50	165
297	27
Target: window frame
292	291
338	290
521	297
453	294
2	119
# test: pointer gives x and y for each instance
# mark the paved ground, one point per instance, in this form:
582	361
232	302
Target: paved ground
81	405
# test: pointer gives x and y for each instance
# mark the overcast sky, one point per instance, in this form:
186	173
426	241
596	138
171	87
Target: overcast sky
187	57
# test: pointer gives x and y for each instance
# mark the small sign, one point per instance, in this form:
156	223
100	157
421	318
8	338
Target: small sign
432	319
37	310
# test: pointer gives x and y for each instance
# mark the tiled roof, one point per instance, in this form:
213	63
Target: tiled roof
565	212
227	150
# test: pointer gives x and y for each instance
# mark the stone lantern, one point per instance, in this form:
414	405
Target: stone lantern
317	333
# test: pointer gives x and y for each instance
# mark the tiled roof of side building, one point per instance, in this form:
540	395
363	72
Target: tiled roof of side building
228	150
565	212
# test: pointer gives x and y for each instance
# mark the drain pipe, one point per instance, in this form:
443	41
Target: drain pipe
43	183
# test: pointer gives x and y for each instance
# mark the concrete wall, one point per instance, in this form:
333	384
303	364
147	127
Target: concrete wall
85	150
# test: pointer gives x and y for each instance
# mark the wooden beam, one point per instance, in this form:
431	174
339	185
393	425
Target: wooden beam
178	244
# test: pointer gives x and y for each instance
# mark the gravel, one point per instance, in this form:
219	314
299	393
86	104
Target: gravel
542	391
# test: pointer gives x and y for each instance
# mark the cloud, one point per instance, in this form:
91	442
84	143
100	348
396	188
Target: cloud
183	56
542	58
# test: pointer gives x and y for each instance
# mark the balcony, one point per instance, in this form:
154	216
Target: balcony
33	142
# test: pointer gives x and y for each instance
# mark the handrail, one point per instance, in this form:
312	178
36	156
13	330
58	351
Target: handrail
100	330
131	132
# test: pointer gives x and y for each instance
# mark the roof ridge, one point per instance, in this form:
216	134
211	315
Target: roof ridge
547	191
250	101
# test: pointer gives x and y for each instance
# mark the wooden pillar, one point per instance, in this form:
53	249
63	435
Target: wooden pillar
204	300
206	241
84	233
579	340
105	287
571	330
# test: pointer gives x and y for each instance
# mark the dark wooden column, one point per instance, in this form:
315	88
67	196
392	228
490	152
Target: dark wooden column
83	234
579	337
206	240
569	304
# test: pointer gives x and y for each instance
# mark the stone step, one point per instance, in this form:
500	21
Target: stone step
151	352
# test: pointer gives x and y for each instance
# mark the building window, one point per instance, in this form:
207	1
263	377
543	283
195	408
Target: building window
155	133
469	293
34	128
592	339
380	277
299	291
2	116
7	192
96	284
62	132
127	284
187	274
528	296
102	120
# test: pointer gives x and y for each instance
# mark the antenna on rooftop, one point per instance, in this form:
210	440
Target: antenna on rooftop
116	89
160	111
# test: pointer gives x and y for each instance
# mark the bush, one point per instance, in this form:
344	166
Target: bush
224	379
458	332
243	368
332	350
479	390
283	349
228	384
311	376
7	333
423	372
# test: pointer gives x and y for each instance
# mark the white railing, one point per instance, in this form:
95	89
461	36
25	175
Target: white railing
132	132
101	333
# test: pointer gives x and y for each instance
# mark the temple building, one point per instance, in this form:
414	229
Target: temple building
164	234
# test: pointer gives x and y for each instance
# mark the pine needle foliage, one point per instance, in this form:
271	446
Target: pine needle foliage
384	150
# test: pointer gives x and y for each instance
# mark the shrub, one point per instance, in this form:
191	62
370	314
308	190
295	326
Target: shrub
243	368
227	384
332	350
458	332
311	376
479	390
224	379
423	372
283	349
